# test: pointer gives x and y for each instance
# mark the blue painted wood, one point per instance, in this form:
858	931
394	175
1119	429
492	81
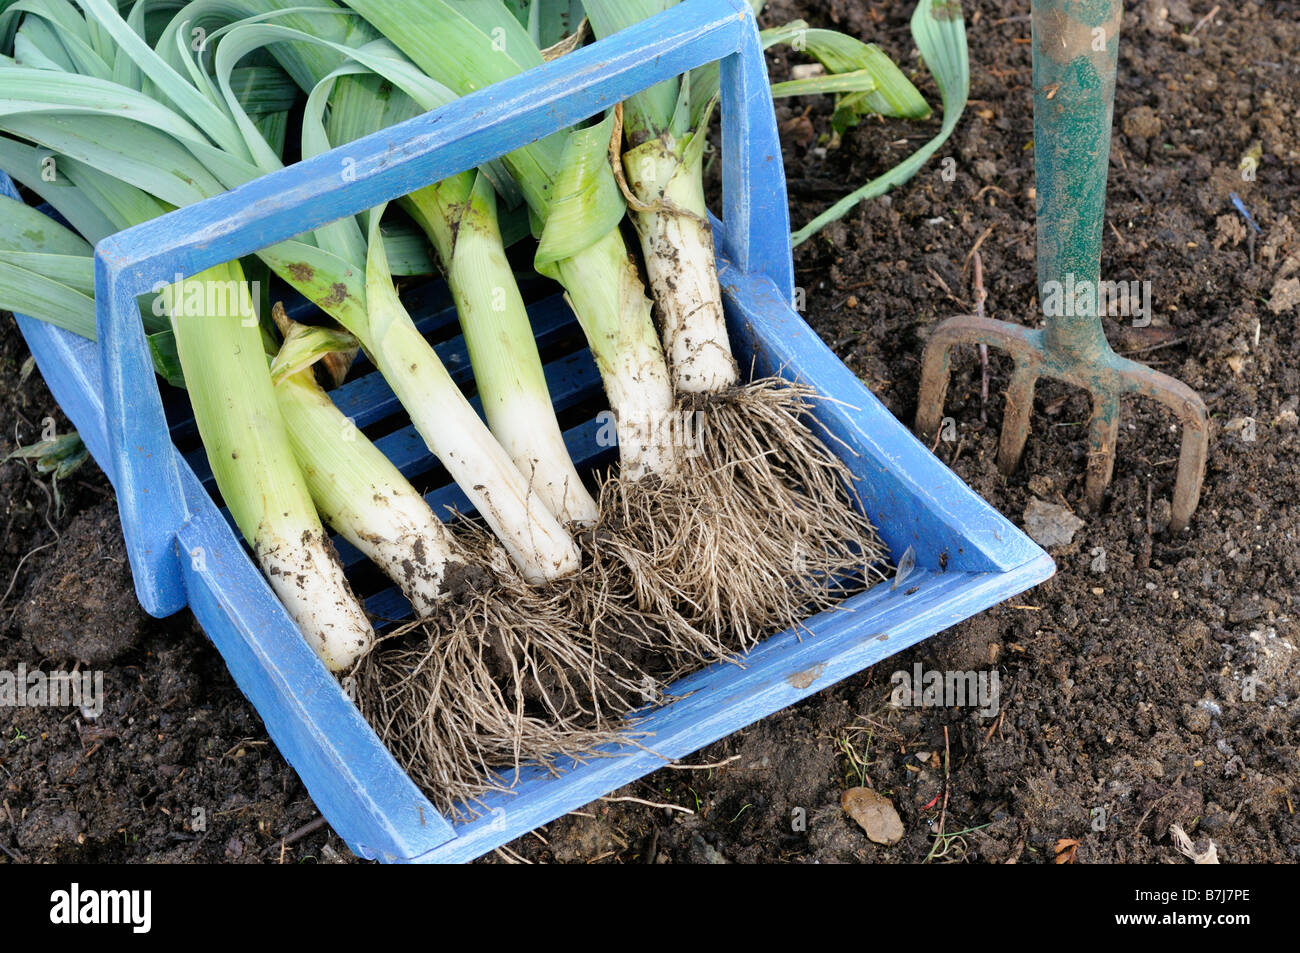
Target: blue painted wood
150	500
184	552
351	778
756	212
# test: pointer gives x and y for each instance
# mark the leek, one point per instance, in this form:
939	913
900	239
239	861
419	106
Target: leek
352	484
459	215
666	127
778	530
253	462
356	488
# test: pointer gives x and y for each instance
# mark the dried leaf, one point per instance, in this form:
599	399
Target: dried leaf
1067	849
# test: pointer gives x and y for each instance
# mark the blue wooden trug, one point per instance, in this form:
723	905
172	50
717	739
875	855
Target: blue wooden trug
184	553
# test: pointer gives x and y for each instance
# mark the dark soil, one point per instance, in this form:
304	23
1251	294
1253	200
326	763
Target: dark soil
1159	687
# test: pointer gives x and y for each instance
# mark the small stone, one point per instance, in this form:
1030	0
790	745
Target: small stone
1162	513
328	855
1050	525
874	813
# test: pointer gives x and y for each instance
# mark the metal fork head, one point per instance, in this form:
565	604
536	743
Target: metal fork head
1075	51
1104	374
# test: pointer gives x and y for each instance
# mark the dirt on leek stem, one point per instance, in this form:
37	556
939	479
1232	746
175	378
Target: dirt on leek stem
363	496
677	244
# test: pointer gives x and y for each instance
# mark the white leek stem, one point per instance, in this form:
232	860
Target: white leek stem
677	243
457	436
363	496
459	215
606	293
252	460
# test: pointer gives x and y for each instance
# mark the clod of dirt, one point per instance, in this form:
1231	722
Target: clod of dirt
1050	525
82	605
1155	16
874	813
1142	122
1284	296
1196	719
1286	418
49	824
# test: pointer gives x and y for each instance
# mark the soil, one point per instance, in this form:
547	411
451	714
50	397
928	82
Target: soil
1158	685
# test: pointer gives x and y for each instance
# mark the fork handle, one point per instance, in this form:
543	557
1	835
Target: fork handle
1075	48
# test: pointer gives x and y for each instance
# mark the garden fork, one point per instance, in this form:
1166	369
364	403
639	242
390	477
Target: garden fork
1075	47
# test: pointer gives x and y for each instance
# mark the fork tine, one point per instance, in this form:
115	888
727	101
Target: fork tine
1191	412
936	363
1015	420
1191	470
1103	432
